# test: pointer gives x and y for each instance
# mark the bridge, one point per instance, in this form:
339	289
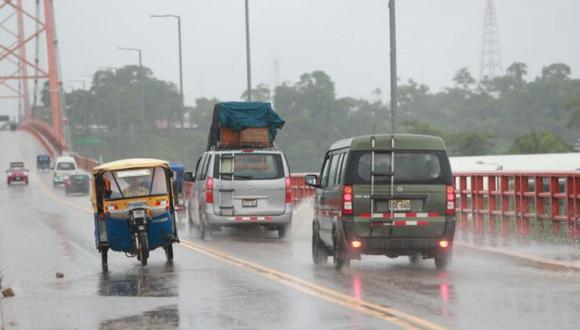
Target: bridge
517	259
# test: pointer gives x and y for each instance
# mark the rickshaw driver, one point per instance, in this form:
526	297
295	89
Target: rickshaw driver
135	187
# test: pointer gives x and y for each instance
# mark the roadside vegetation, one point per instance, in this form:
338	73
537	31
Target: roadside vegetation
508	114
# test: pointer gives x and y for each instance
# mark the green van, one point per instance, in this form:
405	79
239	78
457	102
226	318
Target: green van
387	195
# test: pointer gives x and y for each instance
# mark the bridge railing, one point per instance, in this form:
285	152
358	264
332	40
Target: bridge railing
43	133
300	191
520	203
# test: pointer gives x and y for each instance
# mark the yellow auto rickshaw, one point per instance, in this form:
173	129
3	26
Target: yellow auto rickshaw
133	208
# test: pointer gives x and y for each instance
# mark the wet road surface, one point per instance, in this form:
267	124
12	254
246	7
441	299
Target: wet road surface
245	279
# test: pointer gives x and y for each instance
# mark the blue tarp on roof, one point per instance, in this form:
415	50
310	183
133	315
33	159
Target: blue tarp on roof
179	170
241	115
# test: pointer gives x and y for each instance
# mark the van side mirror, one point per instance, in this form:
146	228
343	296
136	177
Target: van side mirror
189	177
312	180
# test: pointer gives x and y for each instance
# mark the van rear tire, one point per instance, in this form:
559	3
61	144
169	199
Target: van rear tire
283	231
443	260
340	253
319	254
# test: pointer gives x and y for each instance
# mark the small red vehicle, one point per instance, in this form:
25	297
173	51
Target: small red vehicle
17	173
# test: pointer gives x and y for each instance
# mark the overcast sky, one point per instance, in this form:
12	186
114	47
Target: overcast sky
346	38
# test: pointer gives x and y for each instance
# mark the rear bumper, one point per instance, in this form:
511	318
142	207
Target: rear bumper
245	220
400	245
77	189
17	178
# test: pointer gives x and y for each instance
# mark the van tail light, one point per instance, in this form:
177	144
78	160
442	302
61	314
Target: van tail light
288	190
450	209
347	199
209	190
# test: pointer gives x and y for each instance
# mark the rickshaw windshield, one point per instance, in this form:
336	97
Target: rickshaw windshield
134	183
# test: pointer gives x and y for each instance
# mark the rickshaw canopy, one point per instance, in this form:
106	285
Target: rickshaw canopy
126	164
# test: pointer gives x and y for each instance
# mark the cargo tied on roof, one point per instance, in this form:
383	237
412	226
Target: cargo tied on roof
243	124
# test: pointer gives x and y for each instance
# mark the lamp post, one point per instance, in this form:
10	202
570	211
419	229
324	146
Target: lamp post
181	101
140	78
393	46
248	58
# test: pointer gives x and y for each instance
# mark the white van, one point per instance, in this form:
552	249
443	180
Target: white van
63	167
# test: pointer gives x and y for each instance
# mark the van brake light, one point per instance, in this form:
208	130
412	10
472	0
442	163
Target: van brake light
450	201
288	190
209	190
347	200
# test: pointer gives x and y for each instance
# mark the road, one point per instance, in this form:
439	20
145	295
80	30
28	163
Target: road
245	280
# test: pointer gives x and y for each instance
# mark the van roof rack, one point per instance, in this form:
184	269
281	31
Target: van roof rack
244	146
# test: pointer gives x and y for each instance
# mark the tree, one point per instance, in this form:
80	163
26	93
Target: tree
544	142
419	127
470	143
574	106
260	93
463	79
517	71
556	71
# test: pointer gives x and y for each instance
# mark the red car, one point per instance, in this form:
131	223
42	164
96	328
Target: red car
17	173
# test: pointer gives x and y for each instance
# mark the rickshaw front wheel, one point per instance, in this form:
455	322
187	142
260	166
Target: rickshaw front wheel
143	247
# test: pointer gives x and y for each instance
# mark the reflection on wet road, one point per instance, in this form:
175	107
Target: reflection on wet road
166	317
154	281
246	279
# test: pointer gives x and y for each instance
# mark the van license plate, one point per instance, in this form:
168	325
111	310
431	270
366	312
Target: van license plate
249	203
399	205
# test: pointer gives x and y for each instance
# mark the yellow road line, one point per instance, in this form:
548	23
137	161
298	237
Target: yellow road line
387	314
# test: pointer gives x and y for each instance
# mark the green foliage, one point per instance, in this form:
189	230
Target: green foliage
474	118
463	79
470	143
261	93
544	142
574	106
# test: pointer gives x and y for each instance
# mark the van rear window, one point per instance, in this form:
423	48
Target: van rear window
254	166
411	167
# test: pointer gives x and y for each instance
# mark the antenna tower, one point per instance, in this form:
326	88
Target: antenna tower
491	62
22	24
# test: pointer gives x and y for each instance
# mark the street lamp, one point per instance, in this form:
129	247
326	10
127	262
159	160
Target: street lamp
180	61
140	77
85	113
248	59
393	46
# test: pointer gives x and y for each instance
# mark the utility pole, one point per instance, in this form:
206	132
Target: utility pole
248	59
141	89
181	101
393	42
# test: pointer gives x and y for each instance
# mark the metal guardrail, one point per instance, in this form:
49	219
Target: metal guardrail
42	133
300	191
520	203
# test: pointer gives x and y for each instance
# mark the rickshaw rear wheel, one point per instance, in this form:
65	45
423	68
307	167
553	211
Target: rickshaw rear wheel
143	247
169	252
